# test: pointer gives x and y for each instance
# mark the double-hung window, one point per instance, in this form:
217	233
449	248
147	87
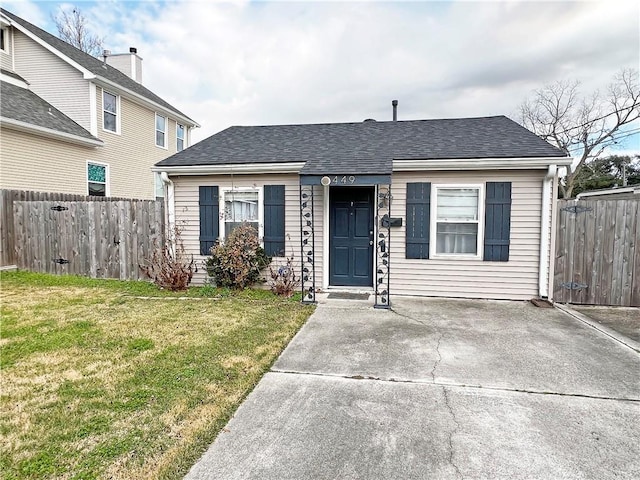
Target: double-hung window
457	220
97	179
179	137
110	112
241	206
161	131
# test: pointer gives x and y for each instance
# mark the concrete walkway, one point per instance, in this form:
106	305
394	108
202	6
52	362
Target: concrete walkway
438	389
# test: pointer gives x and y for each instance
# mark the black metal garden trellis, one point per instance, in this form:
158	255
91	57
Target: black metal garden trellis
382	246
307	244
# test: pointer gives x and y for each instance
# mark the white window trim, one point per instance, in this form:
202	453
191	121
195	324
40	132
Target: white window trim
223	223
5	33
166	130
184	136
118	112
157	176
434	222
107	187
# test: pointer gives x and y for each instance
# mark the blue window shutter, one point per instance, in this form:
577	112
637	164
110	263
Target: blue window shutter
418	211
209	218
497	224
274	220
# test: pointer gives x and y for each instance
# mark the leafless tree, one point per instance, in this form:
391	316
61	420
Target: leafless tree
72	28
583	126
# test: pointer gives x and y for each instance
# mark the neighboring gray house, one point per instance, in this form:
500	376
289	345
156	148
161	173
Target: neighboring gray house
616	193
454	208
73	123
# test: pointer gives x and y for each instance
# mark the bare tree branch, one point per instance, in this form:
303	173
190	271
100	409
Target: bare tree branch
582	126
72	28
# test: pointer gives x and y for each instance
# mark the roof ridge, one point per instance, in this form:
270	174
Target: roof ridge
383	122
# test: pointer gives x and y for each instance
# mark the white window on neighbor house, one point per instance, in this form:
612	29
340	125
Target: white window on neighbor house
179	137
159	185
97	179
4	40
241	206
456	221
161	131
110	112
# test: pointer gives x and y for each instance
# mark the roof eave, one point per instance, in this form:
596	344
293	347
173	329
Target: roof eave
238	168
140	99
49	132
86	74
513	163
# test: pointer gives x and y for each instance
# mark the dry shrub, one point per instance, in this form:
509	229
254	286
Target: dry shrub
169	266
282	278
237	262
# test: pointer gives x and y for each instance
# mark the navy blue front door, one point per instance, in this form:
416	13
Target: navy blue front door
351	236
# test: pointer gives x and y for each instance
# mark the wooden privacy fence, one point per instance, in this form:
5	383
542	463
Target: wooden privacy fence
598	252
101	239
8	197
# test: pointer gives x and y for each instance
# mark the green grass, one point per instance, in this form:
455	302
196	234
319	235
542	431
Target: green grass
97	383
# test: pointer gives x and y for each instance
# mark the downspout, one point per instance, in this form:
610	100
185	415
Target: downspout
169	202
545	229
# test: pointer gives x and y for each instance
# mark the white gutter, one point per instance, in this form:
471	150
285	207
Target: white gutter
523	163
170	204
545	229
48	132
289	167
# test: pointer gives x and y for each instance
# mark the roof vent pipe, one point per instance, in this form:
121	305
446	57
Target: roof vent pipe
105	54
394	103
133	50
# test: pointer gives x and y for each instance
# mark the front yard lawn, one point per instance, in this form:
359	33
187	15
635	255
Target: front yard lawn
97	383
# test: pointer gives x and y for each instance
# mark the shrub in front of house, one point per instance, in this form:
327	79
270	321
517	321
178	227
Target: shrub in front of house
237	261
169	266
283	279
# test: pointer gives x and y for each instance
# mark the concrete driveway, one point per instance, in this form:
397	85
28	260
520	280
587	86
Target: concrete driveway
438	389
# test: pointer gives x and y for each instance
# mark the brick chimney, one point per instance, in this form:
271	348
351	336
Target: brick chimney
128	63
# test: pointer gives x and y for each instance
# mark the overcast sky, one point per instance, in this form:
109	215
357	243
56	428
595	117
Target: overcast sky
255	63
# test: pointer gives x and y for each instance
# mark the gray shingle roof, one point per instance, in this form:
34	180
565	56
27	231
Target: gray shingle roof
93	64
23	105
366	147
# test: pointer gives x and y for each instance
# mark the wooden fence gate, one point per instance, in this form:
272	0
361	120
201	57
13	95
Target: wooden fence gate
598	252
102	239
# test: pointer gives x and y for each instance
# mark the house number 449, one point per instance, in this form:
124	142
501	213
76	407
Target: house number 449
344	179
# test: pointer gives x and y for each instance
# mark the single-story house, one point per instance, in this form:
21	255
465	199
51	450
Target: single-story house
453	208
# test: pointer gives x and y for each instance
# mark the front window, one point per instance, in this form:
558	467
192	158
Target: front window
97	179
110	112
179	138
241	206
161	131
457	221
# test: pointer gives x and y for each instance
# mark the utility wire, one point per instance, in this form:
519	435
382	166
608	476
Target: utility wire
596	119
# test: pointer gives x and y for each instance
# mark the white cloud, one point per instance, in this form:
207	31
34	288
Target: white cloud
254	63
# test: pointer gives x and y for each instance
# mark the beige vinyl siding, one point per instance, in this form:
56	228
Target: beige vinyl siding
131	153
53	79
33	162
516	279
187	213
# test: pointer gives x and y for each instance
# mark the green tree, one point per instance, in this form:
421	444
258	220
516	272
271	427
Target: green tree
608	172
